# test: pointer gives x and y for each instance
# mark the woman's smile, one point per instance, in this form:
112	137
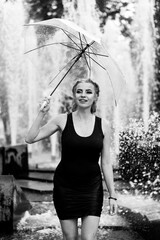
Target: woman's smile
85	94
82	100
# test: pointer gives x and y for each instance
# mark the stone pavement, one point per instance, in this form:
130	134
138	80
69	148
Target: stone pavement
138	218
41	222
143	215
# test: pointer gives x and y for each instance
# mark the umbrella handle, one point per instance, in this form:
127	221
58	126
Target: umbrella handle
45	102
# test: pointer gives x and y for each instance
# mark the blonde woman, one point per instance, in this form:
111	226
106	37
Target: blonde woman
78	191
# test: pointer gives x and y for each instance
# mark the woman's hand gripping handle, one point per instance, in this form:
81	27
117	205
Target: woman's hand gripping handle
45	105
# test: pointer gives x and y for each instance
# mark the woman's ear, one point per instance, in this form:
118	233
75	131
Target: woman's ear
96	97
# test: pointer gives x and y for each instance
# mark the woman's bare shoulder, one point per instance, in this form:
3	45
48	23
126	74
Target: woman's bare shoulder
60	120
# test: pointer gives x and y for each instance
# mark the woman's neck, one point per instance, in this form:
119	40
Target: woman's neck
83	114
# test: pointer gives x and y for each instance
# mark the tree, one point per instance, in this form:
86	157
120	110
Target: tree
116	10
156	88
44	9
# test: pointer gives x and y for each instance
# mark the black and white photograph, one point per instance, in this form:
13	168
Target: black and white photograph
79	120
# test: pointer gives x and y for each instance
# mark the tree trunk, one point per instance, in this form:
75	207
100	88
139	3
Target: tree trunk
156	89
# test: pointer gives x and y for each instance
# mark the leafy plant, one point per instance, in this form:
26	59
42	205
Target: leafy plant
139	157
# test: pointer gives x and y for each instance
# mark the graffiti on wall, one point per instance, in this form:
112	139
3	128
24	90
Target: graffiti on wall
16	160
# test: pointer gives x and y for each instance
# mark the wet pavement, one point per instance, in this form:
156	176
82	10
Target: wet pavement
138	216
131	223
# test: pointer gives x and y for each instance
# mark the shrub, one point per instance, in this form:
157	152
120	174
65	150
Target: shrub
139	157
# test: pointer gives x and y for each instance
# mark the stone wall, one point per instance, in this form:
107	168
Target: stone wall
14	160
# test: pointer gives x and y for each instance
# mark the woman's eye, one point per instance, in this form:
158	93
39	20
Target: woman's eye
78	91
89	92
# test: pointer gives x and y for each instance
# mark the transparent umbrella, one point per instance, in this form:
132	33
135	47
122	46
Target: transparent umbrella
85	48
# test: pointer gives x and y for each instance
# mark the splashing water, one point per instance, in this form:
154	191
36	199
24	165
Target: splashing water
41	222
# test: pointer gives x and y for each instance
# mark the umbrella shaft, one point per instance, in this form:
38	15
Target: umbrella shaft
79	56
76	60
84	49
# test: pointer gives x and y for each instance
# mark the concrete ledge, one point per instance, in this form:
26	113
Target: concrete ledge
143	215
13	203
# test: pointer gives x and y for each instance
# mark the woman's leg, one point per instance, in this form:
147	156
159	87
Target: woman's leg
69	229
89	227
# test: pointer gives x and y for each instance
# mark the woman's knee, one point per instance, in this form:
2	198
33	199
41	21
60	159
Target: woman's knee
69	236
89	227
88	237
69	229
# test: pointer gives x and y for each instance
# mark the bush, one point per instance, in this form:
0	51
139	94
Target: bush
139	157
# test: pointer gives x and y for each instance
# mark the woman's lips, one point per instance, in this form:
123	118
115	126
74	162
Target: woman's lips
83	100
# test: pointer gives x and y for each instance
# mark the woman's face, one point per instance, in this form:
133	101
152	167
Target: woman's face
85	95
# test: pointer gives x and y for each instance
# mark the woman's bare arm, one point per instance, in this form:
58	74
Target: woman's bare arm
106	165
38	132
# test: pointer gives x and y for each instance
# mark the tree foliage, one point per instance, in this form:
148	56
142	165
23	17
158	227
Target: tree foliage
156	92
44	9
114	9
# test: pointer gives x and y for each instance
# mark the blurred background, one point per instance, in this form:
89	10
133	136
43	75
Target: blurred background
131	31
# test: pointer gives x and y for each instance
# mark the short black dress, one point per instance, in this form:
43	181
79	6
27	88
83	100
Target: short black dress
78	190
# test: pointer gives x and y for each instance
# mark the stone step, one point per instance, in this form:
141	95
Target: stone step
41	176
46	175
37	191
38	184
42	191
33	185
46	186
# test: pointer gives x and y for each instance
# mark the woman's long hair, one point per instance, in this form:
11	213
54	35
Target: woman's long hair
96	87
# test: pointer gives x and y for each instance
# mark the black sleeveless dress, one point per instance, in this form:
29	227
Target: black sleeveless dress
78	188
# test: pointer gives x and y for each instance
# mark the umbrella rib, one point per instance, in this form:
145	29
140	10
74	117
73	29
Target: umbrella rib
49	44
63	68
80	39
46	45
87	61
98	54
95	61
71	38
76	60
108	76
89	64
65	31
91	47
70	47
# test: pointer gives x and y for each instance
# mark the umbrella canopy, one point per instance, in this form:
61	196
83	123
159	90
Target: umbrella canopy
86	49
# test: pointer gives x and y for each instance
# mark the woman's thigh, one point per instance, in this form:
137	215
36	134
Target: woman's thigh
89	227
69	229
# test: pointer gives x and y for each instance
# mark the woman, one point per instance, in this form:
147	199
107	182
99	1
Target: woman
78	191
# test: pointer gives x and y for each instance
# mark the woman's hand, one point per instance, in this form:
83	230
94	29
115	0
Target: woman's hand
45	105
113	207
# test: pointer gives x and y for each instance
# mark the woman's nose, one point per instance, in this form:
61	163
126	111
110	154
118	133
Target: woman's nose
83	94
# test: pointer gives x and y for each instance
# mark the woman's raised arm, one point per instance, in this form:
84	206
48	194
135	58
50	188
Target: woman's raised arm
38	132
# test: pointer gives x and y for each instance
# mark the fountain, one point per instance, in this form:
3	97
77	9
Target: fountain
136	211
13	54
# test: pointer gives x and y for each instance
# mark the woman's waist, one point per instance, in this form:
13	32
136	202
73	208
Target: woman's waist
77	180
78	173
78	168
